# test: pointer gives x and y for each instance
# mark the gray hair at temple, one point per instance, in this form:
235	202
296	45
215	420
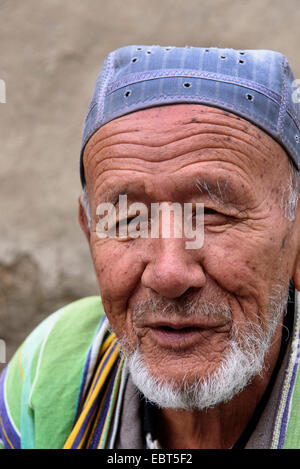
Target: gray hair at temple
290	196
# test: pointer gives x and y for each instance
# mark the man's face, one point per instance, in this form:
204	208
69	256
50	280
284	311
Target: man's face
195	154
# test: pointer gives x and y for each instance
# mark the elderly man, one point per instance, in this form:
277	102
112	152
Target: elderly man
192	350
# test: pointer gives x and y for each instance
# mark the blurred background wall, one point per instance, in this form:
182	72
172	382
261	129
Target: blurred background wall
50	55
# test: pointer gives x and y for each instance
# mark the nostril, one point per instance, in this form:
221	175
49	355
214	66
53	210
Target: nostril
171	275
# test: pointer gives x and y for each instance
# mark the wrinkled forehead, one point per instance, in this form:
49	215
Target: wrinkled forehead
168	138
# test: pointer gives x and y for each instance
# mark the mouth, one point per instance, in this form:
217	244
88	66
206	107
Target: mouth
176	335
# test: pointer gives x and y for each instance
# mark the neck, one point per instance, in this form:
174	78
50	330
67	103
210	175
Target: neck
221	426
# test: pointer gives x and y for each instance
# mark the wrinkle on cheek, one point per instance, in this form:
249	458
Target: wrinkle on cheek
117	277
283	243
236	267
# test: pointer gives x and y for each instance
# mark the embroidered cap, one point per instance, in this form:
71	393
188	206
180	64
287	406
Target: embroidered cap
258	85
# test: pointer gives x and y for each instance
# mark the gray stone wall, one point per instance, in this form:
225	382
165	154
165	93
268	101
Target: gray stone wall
50	55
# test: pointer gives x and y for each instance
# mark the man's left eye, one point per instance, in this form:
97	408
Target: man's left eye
210	211
212	217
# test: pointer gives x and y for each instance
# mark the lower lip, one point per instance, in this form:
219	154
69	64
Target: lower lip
183	338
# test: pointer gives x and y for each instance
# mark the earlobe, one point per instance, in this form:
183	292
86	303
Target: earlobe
83	221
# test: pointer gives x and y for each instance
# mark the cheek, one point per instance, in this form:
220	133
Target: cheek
118	273
244	265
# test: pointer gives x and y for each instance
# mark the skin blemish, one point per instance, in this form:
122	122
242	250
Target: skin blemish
275	191
250	265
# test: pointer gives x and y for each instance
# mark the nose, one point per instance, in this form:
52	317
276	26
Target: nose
172	270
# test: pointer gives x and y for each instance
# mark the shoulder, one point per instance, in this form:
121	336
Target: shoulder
40	387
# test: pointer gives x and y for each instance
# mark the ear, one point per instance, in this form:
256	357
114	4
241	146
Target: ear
83	221
296	275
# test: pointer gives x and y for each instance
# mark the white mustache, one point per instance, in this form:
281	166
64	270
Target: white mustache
179	308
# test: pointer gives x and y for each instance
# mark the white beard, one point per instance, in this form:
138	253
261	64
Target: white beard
245	359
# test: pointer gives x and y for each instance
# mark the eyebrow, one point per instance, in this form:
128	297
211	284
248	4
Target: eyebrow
219	191
112	195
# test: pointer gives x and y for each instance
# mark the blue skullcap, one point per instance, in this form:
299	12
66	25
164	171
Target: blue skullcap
255	84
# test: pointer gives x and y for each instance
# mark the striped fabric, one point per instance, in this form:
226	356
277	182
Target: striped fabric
65	386
10	435
92	428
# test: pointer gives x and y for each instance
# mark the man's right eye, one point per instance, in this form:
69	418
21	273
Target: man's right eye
212	217
121	228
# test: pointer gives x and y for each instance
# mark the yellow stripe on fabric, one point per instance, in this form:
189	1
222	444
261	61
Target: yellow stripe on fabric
99	410
104	352
88	404
87	429
292	436
287	383
106	343
93	393
5	434
95	410
113	400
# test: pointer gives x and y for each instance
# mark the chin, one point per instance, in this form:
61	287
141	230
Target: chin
189	391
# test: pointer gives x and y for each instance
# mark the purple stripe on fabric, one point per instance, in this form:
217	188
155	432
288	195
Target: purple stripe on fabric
8	427
86	369
85	424
104	364
95	403
100	424
286	409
